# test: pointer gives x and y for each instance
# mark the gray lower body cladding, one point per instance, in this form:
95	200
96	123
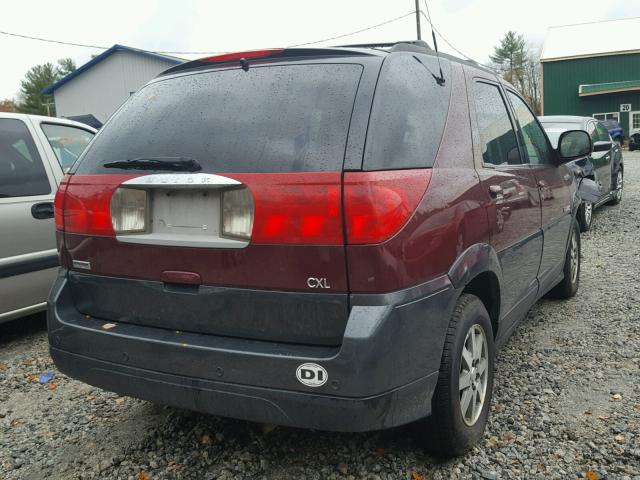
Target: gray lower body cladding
383	373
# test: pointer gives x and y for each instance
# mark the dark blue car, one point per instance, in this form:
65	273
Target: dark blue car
615	130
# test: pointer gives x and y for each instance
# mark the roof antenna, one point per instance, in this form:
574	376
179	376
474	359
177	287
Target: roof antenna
439	80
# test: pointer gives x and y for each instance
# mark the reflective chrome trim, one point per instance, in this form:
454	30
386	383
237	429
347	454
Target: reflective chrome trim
22	312
182	180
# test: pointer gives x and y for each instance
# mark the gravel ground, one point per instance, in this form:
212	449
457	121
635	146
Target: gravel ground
566	402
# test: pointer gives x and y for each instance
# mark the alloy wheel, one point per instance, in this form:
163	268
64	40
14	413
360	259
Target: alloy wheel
588	212
619	183
474	374
574	254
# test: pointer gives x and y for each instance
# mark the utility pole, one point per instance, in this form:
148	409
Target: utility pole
418	19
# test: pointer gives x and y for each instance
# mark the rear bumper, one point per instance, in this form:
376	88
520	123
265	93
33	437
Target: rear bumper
382	375
267	405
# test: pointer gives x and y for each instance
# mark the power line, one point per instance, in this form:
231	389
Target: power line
84	45
52	41
353	33
452	46
444	39
101	47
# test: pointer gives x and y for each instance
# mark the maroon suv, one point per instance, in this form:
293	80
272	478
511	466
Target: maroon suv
334	239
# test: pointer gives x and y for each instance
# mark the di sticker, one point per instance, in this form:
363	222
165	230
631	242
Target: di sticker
312	375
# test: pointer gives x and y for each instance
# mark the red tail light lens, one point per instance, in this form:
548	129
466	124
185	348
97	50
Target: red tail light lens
230	57
378	204
295	208
87	203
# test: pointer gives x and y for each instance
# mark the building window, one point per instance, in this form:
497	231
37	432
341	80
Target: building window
607	116
635	120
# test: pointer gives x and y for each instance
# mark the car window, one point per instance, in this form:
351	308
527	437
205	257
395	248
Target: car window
499	144
22	173
290	118
602	133
535	141
408	115
66	142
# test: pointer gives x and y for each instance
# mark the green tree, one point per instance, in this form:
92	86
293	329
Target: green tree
511	58
533	79
8	105
32	100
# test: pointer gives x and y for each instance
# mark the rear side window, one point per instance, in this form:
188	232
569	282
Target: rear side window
499	145
267	119
602	133
591	130
22	173
66	142
408	114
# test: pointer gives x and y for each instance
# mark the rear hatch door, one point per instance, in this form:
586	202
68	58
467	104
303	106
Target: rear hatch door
212	203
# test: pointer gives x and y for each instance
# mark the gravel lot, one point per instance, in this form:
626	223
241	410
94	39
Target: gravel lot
566	402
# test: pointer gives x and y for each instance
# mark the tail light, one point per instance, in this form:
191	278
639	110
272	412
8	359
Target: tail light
237	213
229	57
87	204
295	208
378	204
129	210
261	208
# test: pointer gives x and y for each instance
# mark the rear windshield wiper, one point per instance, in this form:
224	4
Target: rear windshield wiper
174	164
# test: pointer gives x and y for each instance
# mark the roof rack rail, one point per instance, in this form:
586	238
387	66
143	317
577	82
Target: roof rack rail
367	45
418	46
399	46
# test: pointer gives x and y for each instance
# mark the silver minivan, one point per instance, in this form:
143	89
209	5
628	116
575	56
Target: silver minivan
35	152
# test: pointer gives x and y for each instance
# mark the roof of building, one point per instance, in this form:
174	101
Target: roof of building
106	54
613	37
610	87
87	119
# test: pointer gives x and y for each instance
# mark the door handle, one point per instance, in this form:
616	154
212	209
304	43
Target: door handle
495	191
42	211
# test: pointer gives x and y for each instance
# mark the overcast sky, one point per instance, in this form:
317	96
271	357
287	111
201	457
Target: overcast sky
472	26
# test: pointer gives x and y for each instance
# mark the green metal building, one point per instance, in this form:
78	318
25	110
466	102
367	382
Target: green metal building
593	70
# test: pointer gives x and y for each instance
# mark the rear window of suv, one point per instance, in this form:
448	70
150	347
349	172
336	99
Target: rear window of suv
267	119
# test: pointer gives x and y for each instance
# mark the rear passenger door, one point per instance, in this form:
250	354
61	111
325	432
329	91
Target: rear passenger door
27	244
603	156
554	184
513	199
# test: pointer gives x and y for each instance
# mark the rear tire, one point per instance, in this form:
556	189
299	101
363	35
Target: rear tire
585	216
568	287
460	404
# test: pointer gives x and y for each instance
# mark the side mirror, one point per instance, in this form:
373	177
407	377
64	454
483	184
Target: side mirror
574	144
602	146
